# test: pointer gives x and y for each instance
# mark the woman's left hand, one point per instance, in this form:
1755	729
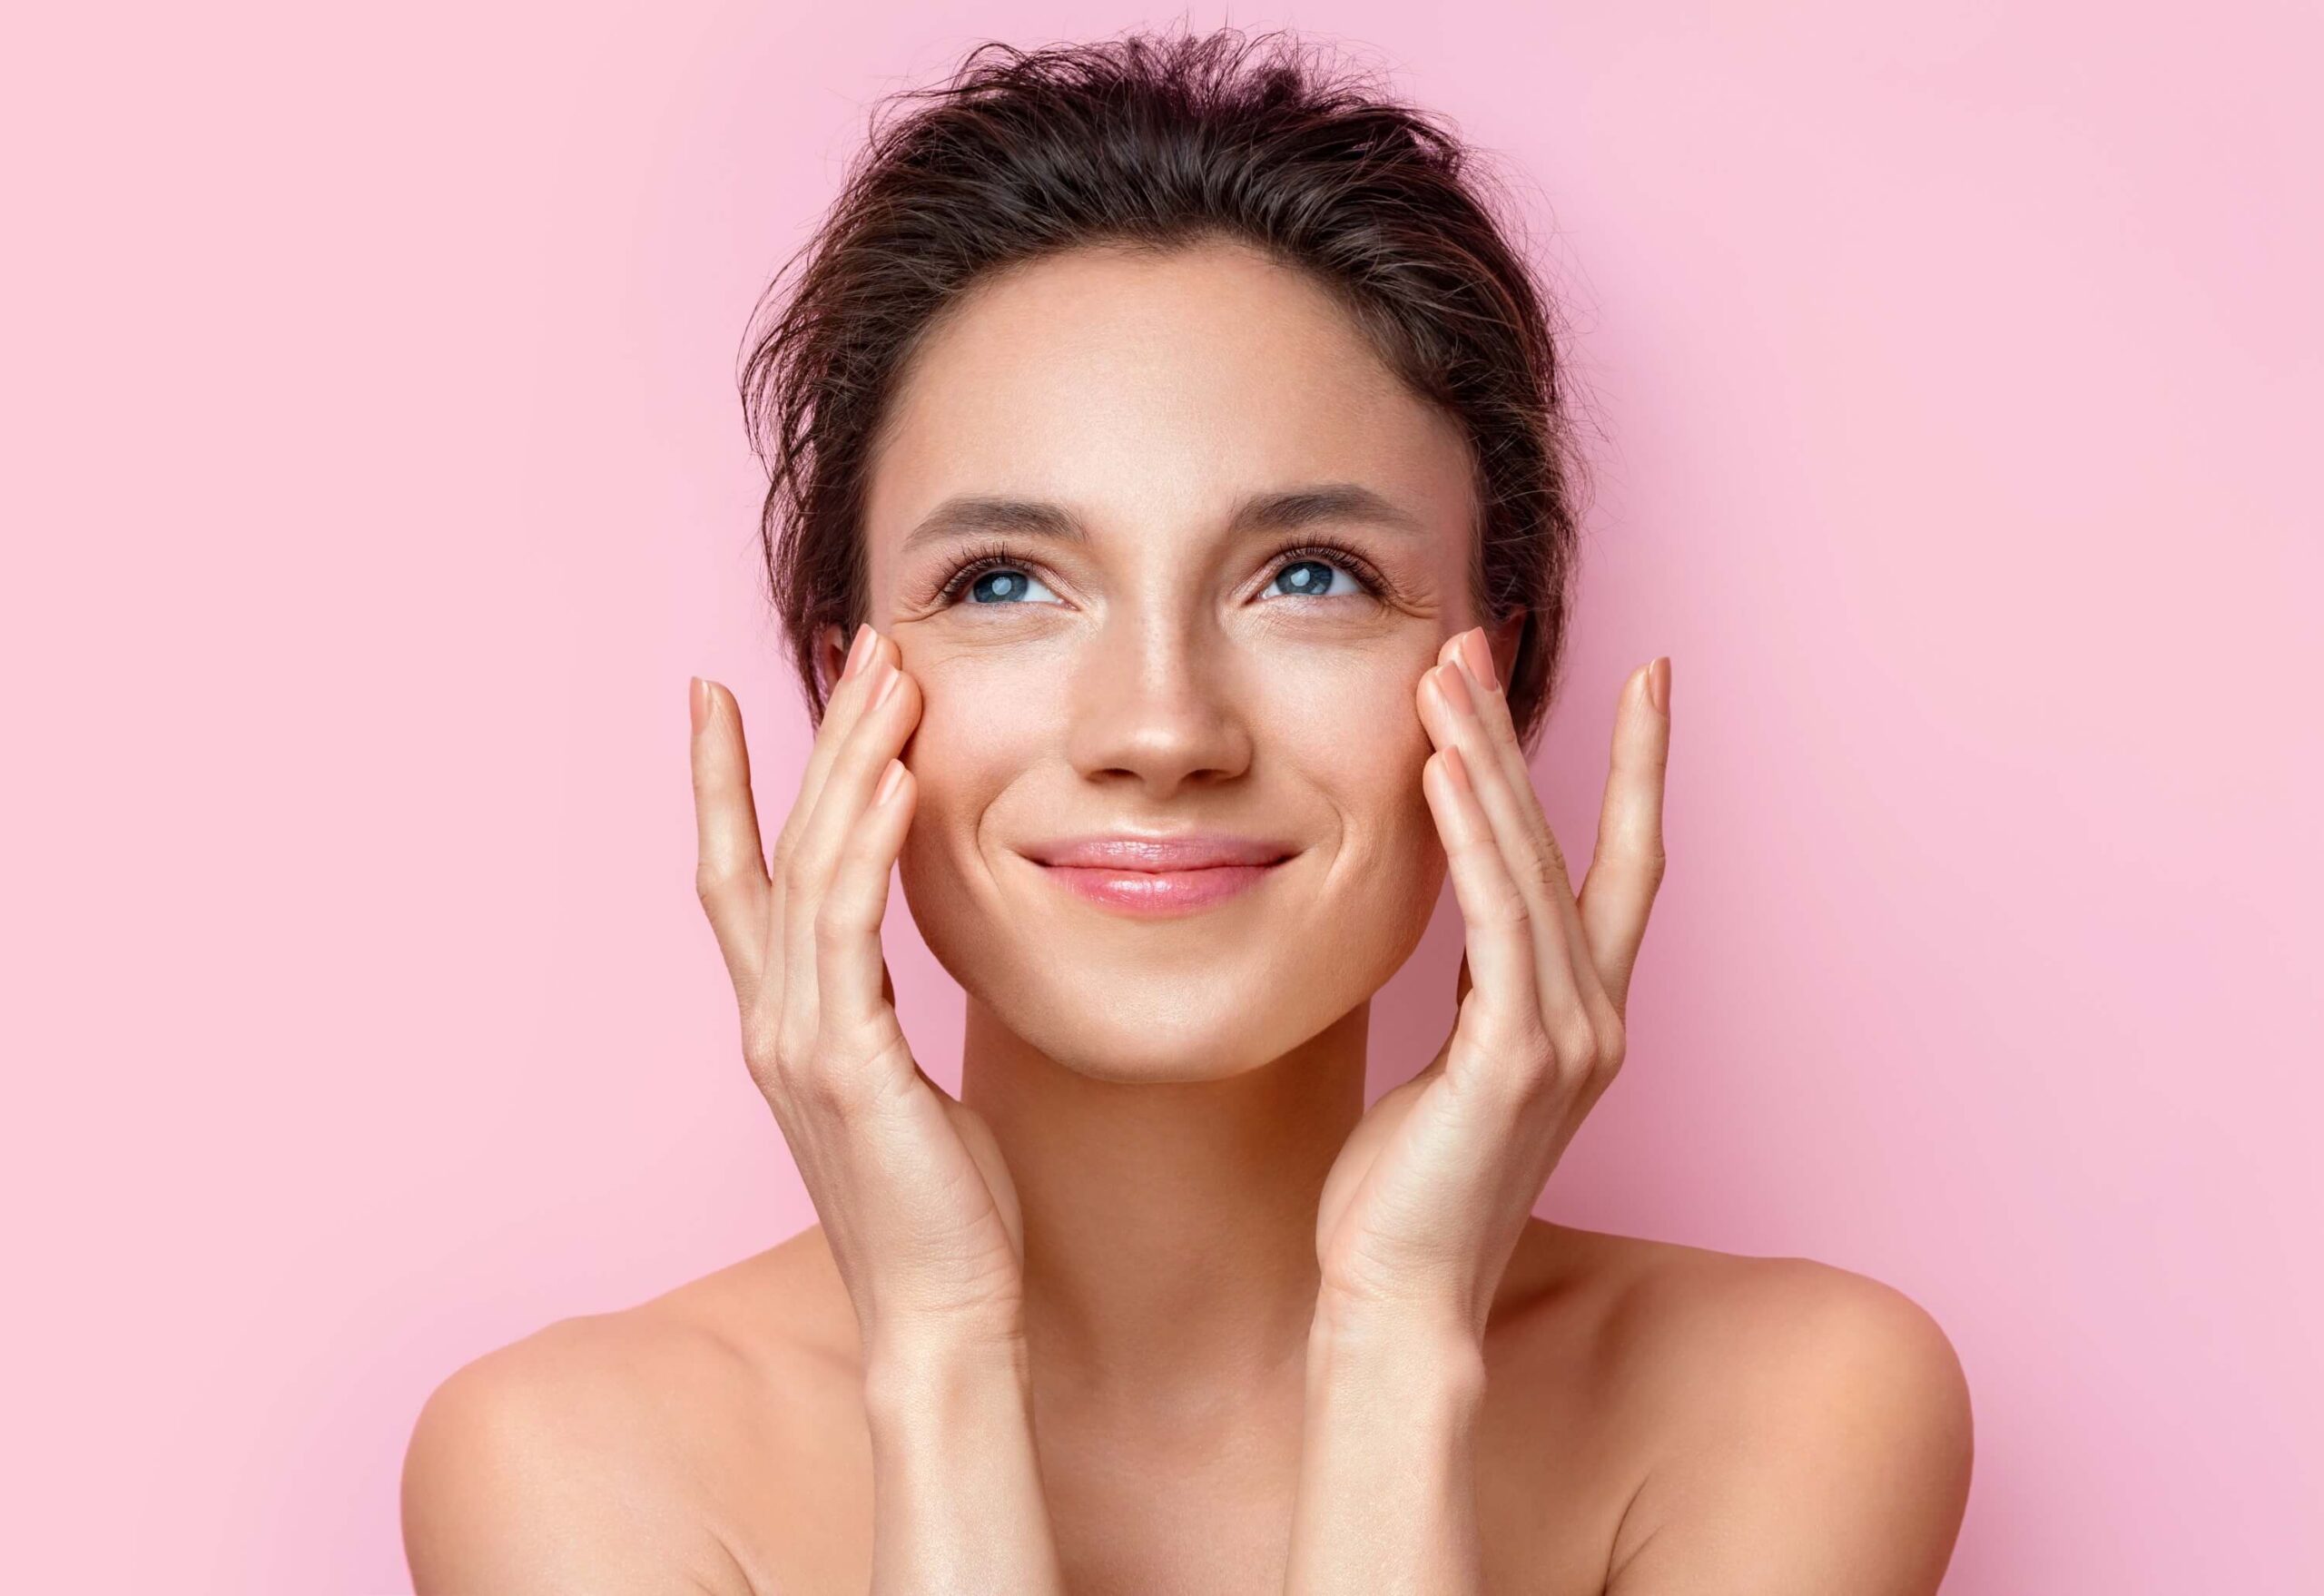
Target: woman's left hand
1424	1204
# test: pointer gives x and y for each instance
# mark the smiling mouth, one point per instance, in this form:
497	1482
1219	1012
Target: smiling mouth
1159	894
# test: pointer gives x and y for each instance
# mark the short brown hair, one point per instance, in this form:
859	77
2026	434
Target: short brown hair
1157	142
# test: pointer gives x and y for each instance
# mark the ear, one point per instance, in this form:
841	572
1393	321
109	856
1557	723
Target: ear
1505	639
830	654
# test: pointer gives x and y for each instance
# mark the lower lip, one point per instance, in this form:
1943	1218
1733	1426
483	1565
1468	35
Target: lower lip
1159	892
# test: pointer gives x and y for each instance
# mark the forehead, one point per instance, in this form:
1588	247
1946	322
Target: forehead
1151	392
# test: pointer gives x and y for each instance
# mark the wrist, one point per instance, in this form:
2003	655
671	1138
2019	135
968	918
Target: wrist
910	1367
1402	1348
1368	1325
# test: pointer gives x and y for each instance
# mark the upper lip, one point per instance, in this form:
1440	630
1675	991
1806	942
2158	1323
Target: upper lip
1180	851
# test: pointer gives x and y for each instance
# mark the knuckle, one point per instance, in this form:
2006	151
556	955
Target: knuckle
1548	873
1598	1070
863	844
798	873
1527	1045
794	1046
1613	1042
836	927
1652	862
1577	1044
1506	906
1534	1084
820	1088
762	1047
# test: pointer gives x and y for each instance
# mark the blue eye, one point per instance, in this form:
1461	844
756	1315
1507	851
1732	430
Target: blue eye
1310	577
990	582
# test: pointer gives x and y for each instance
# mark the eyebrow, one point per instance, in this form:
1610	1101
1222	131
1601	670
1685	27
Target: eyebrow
966	515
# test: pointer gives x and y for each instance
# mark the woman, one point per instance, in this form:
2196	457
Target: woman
1172	518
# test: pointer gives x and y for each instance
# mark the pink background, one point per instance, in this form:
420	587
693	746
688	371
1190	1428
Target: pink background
376	481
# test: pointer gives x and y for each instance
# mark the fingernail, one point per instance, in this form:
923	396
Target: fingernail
889	676
890	780
1658	684
698	702
1479	659
1456	688
855	651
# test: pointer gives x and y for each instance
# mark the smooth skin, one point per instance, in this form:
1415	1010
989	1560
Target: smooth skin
1158	1305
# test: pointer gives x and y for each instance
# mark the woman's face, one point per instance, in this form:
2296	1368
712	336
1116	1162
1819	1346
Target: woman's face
1145	658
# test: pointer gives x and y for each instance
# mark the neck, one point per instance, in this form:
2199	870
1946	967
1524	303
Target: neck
1169	1228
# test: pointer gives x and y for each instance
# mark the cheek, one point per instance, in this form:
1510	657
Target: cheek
983	722
1353	725
983	719
1358	741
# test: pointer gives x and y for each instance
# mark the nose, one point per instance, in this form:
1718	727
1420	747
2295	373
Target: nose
1157	699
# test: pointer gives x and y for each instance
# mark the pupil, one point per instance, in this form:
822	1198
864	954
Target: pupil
998	585
1304	581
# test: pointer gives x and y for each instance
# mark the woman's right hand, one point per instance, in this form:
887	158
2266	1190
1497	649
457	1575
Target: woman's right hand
915	1202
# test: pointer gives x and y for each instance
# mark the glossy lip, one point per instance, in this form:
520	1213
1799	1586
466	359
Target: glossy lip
1158	875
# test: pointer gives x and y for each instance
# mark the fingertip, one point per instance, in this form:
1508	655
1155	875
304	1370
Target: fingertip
905	682
1456	769
1432	780
1449	795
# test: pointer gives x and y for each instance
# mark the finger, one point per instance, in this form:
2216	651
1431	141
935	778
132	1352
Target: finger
877	736
1455	720
1548	859
1499	925
730	870
1627	869
1492	708
848	964
841	709
841	712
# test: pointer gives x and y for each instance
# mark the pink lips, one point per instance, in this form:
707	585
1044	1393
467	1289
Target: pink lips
1159	875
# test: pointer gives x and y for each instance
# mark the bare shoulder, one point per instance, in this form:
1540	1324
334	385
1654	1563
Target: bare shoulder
598	1450
1803	1428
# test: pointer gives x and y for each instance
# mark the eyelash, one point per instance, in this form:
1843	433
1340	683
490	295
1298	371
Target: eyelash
992	557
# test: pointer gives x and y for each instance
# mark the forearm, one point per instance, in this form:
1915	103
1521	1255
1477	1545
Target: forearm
1387	1475
957	1502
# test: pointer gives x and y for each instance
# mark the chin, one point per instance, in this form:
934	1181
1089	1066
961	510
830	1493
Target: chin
1109	1023
1112	1046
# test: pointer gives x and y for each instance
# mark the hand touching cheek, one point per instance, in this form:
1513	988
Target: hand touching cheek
1426	1203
